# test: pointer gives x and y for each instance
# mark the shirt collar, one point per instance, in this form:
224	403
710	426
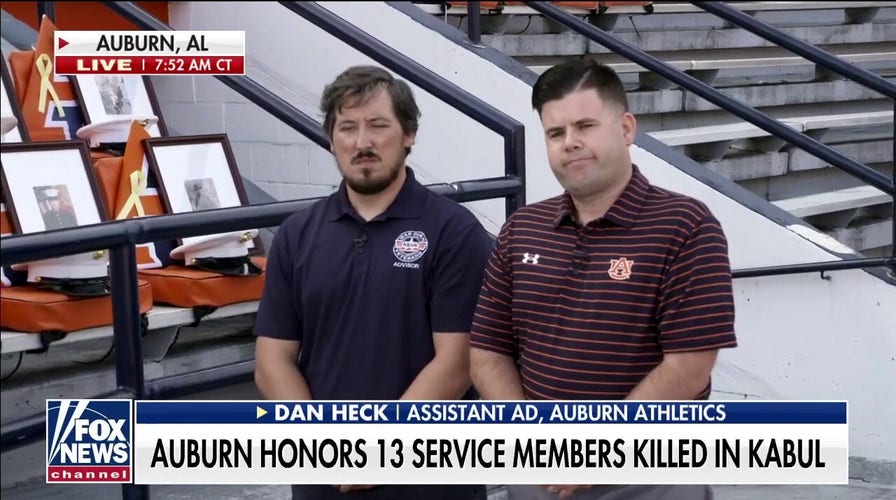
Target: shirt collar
623	211
407	205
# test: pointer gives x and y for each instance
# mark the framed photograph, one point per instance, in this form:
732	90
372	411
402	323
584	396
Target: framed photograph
102	97
10	107
50	185
197	173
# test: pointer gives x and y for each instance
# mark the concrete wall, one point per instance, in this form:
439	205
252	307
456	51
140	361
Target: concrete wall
801	337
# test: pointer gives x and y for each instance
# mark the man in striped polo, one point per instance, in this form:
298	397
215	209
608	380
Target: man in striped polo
615	289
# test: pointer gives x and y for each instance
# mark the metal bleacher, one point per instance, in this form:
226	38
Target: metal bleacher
847	116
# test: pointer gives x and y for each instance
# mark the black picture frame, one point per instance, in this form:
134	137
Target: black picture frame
138	89
206	161
36	173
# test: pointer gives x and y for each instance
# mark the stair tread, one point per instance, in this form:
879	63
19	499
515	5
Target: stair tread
832	201
745	130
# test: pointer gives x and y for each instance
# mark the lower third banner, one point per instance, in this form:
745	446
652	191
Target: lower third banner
587	442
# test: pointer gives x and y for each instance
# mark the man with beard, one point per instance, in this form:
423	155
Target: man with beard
375	285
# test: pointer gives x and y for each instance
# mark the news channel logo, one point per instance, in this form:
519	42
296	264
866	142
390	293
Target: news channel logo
89	440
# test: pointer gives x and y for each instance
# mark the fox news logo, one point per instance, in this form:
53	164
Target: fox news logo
89	441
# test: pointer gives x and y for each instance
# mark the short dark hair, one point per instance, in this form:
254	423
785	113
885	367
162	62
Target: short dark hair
578	74
357	84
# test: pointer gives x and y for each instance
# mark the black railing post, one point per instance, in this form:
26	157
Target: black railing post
893	207
127	336
515	148
474	24
46	9
126	321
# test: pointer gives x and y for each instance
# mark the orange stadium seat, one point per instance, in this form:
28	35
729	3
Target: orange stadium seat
604	6
482	5
571	5
33	310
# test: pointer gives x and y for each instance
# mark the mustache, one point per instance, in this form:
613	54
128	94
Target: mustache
365	155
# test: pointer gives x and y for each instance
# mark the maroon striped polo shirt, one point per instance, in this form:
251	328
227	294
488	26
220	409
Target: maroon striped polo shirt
589	311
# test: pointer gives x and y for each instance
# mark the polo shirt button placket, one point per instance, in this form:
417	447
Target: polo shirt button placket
362	254
580	256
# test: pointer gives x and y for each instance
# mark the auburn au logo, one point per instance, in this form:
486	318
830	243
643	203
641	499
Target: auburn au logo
621	268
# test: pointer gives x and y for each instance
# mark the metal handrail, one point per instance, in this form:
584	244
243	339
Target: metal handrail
797	46
106	235
510	129
752	115
810	267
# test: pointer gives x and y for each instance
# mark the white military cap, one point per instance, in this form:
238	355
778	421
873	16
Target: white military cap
114	130
83	274
225	253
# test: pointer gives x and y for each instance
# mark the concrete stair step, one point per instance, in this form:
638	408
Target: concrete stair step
867	152
745	130
738	59
653	101
834	201
874	234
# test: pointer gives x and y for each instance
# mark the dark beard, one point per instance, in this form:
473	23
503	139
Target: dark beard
369	186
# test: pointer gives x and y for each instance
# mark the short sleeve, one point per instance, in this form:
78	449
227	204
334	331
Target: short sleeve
463	251
277	315
492	322
696	309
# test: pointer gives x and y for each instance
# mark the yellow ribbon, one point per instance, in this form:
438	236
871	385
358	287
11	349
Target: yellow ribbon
138	186
45	70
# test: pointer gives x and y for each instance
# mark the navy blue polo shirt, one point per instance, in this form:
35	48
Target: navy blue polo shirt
364	298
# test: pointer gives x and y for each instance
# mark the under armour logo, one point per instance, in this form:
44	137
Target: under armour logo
621	268
530	258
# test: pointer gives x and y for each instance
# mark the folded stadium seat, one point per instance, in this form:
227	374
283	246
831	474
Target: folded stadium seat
34	310
489	6
48	115
64	295
572	5
125	183
604	6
